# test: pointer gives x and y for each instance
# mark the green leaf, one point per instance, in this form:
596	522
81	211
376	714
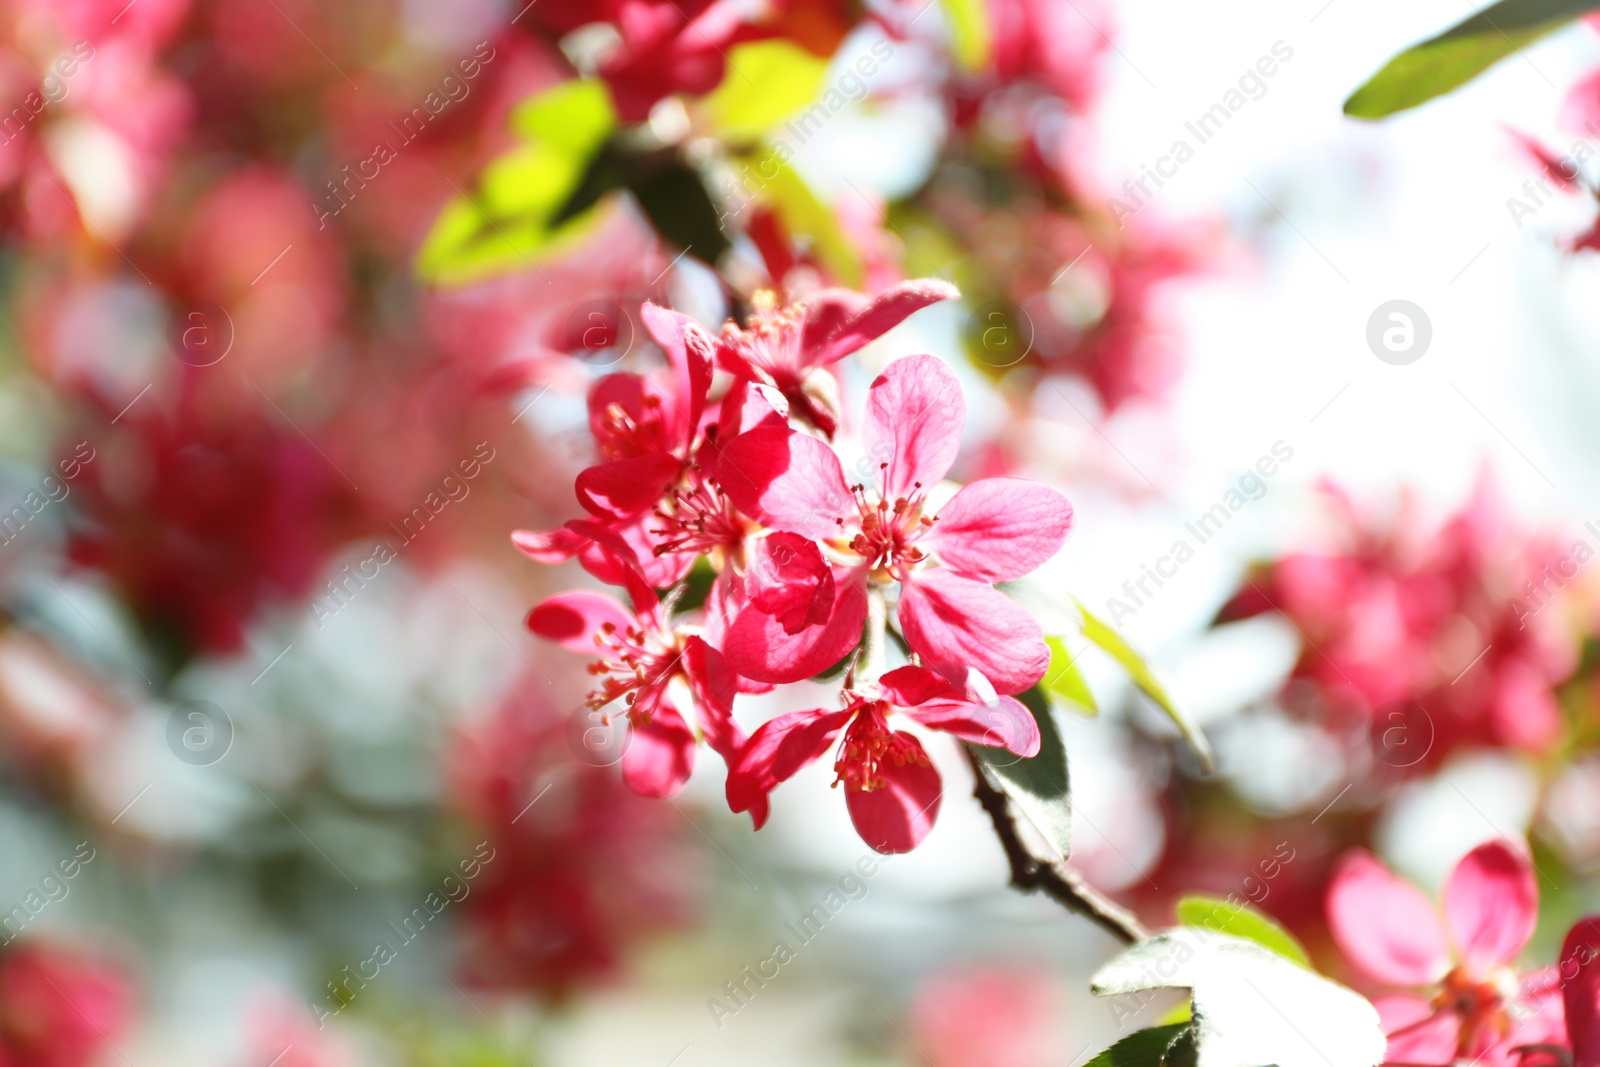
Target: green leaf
766	82
1064	682
1461	53
1251	1006
1105	636
969	32
1241	920
1038	784
1143	1048
514	217
803	215
576	115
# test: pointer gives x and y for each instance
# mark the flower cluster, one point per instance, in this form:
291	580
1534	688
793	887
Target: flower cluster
811	567
1398	613
1464	999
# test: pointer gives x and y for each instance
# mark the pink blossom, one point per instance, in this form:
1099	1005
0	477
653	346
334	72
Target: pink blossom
891	788
945	565
59	1008
639	657
1464	1000
1400	613
783	347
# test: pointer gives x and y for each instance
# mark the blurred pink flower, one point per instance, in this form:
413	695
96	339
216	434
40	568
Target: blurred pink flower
988	1016
1473	1005
59	1007
1441	620
577	878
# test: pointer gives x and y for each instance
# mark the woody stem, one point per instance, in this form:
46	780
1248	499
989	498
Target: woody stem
1055	878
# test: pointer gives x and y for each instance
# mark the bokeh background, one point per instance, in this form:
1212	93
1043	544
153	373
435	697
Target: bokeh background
271	402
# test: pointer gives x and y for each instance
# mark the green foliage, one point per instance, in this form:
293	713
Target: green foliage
1064	682
803	215
1241	920
515	216
1461	53
1142	1048
1038	785
970	37
1251	1006
767	81
1108	639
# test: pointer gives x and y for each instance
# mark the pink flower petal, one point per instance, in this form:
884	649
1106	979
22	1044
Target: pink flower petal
897	817
839	322
789	580
660	754
688	347
648	407
751	406
623	488
608	552
776	751
757	646
790	481
1580	990
1544	1023
1523	712
714	686
572	620
553	546
1384	925
955	624
1004	724
1417	1034
1491	904
1000	528
915	412
618	562
906	686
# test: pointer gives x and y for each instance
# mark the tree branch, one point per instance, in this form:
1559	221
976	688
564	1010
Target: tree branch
1056	879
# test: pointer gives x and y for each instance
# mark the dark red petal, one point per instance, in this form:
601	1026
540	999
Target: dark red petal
838	321
714	686
776	751
905	686
898	816
790	481
571	620
1580	990
758	647
623	488
789	580
688	349
660	754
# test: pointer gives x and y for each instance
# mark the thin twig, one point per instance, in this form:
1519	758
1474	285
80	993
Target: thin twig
1056	879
